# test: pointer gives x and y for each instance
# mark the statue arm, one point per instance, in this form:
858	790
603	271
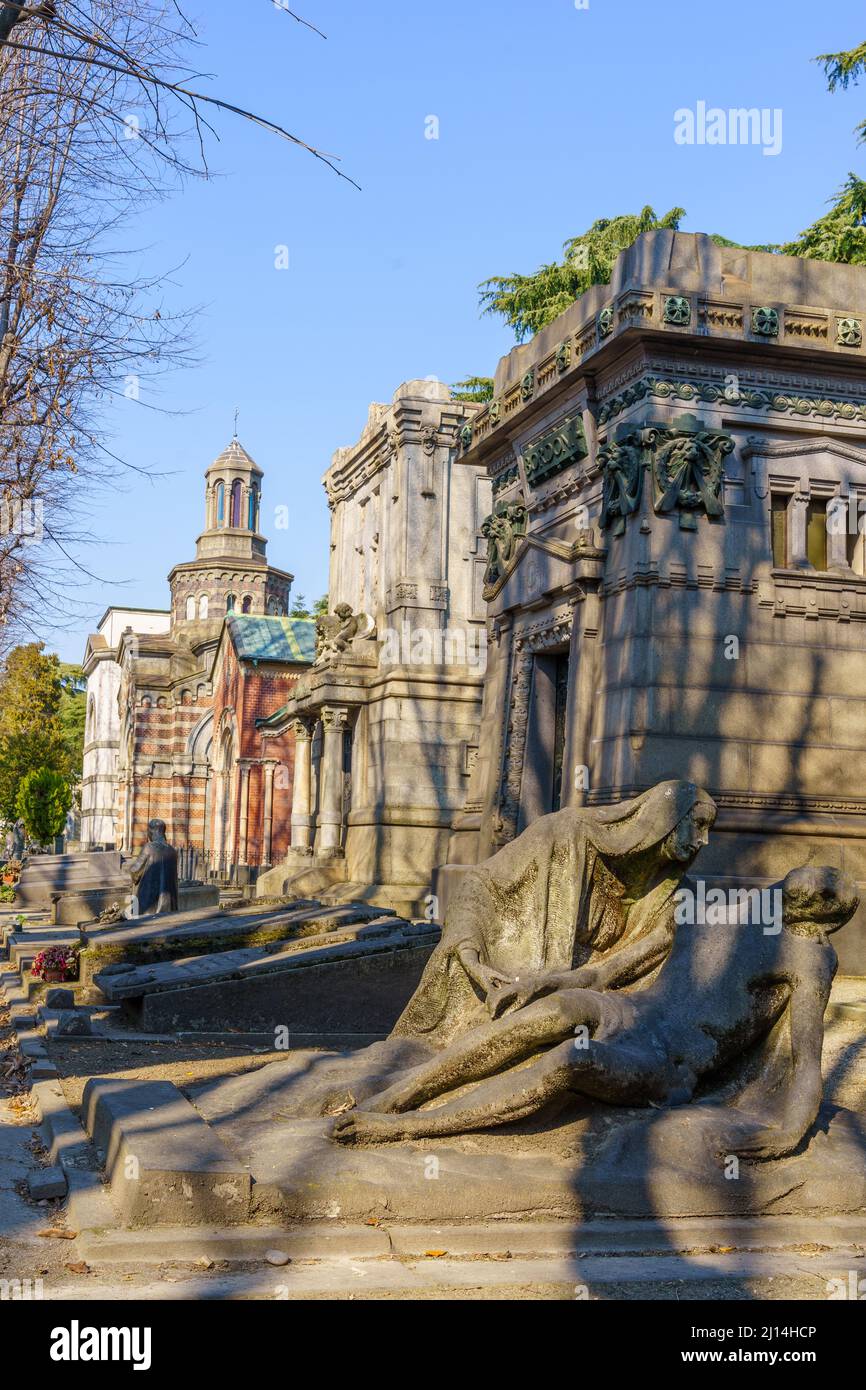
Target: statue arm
136	867
802	1095
486	977
618	968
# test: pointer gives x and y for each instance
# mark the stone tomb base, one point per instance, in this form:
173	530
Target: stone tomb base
584	1160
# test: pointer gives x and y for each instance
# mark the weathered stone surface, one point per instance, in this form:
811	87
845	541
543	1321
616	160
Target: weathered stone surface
525	1016
360	994
356	984
191	933
73	1025
45	875
42	1069
578	889
407	553
730	1029
47	1183
165	1165
605	1162
59	998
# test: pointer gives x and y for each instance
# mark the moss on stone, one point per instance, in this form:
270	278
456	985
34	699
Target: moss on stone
96	957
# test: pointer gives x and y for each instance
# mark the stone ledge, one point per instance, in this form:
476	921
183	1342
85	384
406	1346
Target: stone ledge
163	1163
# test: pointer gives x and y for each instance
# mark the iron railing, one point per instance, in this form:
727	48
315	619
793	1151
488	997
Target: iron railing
196	865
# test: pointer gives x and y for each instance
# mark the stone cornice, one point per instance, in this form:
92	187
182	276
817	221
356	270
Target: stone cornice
428	424
680	290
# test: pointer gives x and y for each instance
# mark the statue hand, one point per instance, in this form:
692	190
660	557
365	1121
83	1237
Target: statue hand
514	994
488	978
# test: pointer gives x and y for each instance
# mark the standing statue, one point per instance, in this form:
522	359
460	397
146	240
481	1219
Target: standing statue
583	890
154	873
18	839
733	1004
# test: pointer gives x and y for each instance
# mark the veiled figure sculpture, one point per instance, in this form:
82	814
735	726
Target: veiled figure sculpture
735	1007
586	894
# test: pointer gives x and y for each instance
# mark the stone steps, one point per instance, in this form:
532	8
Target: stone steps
162	1162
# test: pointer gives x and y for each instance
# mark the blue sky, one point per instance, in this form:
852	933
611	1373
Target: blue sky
549	117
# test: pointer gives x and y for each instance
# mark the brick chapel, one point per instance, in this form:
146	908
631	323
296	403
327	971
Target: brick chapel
174	698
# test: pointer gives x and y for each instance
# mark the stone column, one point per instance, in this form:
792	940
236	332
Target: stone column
798	519
334	723
837	535
302	821
243	827
584	660
492	739
270	766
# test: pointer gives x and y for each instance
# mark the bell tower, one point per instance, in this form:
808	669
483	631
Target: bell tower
233	486
230	572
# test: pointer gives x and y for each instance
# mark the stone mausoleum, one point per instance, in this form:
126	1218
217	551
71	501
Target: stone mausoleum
676	578
385	724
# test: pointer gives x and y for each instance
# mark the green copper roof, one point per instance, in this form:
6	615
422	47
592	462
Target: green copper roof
272	639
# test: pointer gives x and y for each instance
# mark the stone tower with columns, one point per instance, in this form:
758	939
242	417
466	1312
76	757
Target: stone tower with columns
163	728
230	572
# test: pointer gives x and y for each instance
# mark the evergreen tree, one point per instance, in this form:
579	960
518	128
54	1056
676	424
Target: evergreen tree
44	797
474	388
32	734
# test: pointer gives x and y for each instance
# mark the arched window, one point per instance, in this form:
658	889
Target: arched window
190	610
275	608
251	510
202	607
230	603
247	604
221	504
235	518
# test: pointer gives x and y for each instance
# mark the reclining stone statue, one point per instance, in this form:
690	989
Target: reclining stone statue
728	996
585	890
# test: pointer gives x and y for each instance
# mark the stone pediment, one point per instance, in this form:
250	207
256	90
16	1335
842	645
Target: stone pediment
543	567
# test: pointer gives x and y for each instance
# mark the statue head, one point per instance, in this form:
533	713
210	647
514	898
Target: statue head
156	831
343	610
691	832
818	899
